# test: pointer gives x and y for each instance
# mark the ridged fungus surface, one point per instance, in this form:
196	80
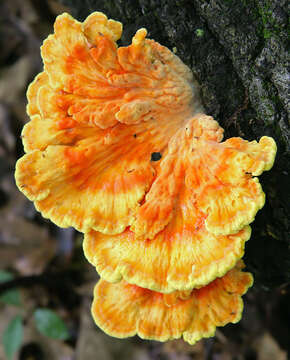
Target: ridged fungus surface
118	147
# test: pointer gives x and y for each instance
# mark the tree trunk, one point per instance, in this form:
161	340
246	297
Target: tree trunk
237	51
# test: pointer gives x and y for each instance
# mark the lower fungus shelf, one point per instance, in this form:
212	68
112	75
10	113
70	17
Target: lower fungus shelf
124	310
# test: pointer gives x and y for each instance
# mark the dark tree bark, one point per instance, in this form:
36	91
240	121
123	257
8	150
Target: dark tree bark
237	51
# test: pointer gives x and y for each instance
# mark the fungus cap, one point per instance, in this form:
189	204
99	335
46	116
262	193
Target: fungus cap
194	217
124	310
98	114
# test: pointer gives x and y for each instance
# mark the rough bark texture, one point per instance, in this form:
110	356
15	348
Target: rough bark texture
237	51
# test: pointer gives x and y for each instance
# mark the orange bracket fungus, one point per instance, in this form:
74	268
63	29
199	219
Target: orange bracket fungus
118	147
124	310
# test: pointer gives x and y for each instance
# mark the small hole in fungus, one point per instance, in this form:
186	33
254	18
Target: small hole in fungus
155	156
135	135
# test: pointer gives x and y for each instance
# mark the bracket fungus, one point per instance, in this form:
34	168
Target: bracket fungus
124	310
118	147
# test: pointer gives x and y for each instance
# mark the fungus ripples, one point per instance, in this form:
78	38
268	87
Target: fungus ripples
119	148
124	310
